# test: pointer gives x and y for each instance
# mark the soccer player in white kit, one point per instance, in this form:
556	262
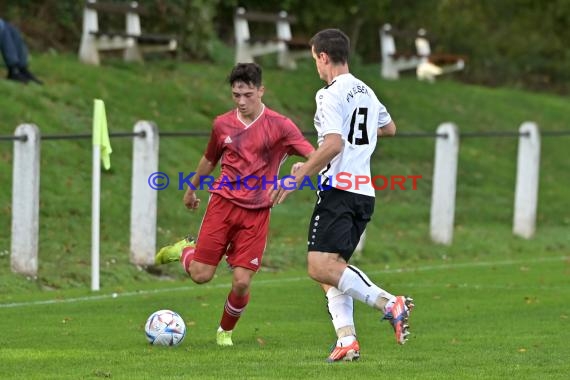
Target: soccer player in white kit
349	119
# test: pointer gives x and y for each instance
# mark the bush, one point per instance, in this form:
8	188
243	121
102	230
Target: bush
517	42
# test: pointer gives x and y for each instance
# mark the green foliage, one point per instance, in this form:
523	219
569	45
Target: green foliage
522	43
525	41
191	20
199	33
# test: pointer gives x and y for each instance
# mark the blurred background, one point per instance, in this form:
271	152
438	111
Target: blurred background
519	43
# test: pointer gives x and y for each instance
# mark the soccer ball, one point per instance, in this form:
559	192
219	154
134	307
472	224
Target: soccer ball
165	328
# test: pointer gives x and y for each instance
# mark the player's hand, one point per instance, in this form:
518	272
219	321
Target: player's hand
285	187
190	200
295	168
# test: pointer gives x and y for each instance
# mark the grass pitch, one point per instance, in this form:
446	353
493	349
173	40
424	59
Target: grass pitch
490	306
491	319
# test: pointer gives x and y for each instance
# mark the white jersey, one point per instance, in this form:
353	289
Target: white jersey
350	108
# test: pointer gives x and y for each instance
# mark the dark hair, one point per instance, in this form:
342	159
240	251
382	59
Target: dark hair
333	42
248	73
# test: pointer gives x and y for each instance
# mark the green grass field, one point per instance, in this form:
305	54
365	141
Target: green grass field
182	96
491	305
492	319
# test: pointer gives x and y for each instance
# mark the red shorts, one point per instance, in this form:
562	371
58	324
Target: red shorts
237	232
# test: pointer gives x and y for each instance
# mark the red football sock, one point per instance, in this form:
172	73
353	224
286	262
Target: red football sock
234	307
186	257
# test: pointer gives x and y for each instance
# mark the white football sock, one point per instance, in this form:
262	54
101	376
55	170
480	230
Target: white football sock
345	341
356	284
340	308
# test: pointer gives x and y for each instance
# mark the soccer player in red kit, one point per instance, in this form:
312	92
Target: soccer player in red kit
250	141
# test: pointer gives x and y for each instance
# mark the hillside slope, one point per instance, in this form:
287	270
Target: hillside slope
183	97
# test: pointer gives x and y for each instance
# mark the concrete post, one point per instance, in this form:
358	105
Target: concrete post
143	197
26	201
88	52
444	184
526	191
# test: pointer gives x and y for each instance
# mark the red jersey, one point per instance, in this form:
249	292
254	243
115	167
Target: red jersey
251	155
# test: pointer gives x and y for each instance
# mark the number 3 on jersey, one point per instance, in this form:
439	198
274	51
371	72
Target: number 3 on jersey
362	114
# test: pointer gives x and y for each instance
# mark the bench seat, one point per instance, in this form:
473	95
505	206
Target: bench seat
131	41
287	48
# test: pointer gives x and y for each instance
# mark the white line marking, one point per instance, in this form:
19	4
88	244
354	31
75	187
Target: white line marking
292	279
462	286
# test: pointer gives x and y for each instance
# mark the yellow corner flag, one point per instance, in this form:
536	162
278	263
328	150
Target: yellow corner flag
101	133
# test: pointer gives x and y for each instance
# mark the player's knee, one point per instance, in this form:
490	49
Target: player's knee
241	281
240	286
314	271
200	273
200	277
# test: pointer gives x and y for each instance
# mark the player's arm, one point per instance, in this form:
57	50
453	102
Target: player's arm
387	130
330	113
205	167
297	165
329	149
298	144
308	155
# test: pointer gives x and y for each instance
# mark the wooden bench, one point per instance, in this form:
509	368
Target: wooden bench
288	49
435	64
426	64
394	61
131	41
